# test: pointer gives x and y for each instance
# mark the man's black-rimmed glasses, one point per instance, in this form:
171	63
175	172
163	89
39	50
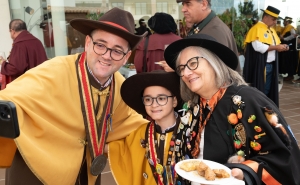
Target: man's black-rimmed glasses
101	49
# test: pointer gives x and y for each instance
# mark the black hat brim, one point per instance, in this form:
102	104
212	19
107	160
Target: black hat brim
204	41
133	87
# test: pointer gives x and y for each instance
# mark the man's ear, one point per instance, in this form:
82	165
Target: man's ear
205	3
87	42
127	57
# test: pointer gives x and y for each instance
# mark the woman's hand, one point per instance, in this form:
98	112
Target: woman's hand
237	173
166	67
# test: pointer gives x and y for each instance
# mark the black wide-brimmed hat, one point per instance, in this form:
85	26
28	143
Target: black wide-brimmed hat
162	23
133	87
271	11
204	41
115	21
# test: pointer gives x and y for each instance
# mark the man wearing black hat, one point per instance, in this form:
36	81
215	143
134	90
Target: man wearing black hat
70	106
288	60
262	45
143	28
206	22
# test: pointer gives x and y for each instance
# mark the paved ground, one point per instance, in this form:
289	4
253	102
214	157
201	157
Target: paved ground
289	106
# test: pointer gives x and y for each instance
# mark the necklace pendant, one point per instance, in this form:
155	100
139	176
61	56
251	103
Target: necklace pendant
159	169
143	143
162	137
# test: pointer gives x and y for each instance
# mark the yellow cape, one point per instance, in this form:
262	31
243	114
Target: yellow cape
286	29
51	123
128	162
261	33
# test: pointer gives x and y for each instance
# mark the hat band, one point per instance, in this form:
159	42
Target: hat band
271	13
115	25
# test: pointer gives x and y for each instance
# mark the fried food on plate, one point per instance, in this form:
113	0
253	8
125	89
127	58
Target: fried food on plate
202	166
209	174
221	173
204	170
200	171
189	165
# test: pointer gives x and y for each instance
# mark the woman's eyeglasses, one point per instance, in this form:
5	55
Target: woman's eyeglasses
191	64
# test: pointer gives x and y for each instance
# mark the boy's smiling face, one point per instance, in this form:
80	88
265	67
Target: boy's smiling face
157	112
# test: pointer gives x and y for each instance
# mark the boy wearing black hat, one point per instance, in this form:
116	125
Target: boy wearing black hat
149	154
70	106
262	45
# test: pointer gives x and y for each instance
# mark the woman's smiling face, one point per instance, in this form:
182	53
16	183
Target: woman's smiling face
200	80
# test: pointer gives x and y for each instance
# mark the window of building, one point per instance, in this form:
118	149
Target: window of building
119	5
140	8
162	7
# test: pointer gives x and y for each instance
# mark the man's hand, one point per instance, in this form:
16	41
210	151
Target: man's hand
282	47
1	60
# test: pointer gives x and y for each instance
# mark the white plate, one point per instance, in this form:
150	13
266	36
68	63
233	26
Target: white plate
194	177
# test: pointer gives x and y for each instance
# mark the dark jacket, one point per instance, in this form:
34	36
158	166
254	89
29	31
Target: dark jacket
217	29
26	53
278	156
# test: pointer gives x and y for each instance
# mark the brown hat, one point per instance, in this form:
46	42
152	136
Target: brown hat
133	87
115	21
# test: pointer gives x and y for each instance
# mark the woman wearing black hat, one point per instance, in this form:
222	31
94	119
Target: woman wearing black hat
148	155
151	49
235	124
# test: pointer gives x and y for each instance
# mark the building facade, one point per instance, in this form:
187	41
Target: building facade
49	20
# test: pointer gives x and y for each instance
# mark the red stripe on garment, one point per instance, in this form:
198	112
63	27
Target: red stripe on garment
88	102
104	131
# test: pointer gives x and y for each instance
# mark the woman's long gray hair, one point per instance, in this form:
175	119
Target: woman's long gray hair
225	76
